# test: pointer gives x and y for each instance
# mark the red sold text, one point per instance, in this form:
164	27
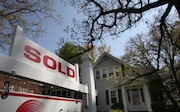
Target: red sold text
35	56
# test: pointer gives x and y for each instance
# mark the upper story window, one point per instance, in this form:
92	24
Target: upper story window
107	72
117	71
97	74
110	71
104	73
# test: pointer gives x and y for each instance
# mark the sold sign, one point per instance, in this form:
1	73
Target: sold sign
49	62
32	61
32	53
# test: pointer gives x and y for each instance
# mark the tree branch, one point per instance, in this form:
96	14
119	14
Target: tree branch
137	10
139	76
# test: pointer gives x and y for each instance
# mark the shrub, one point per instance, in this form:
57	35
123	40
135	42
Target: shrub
117	107
159	107
116	110
171	108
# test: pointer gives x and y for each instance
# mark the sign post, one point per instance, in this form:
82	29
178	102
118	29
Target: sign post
89	99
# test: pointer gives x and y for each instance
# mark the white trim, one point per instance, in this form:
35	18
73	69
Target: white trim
124	98
110	56
147	97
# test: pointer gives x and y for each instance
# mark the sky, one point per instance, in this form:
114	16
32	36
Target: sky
54	31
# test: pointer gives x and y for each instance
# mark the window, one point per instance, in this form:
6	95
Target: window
110	71
135	96
12	87
104	73
77	95
22	89
97	74
69	94
48	93
63	93
113	97
53	93
117	71
58	93
31	91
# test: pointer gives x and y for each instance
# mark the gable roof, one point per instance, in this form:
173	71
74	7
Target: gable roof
108	55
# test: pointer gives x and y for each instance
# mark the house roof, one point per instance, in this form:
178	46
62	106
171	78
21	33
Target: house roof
108	55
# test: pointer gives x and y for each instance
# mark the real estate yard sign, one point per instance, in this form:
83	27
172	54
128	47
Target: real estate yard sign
23	102
32	61
28	59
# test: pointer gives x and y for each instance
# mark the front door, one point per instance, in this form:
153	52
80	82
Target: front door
135	99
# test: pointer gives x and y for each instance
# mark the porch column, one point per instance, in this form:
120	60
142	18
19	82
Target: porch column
89	100
124	98
147	97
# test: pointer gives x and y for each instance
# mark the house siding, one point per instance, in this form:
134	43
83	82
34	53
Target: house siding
103	84
106	62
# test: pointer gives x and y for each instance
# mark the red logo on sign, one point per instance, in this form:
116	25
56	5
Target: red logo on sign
31	106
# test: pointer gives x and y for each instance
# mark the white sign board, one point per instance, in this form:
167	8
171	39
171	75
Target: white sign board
29	52
23	102
32	61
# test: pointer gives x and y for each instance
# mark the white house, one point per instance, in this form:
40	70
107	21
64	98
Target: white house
135	96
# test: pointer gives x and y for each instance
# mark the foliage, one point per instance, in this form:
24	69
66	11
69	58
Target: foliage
68	50
97	51
116	110
159	107
157	55
110	18
155	88
117	107
162	107
29	14
171	108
